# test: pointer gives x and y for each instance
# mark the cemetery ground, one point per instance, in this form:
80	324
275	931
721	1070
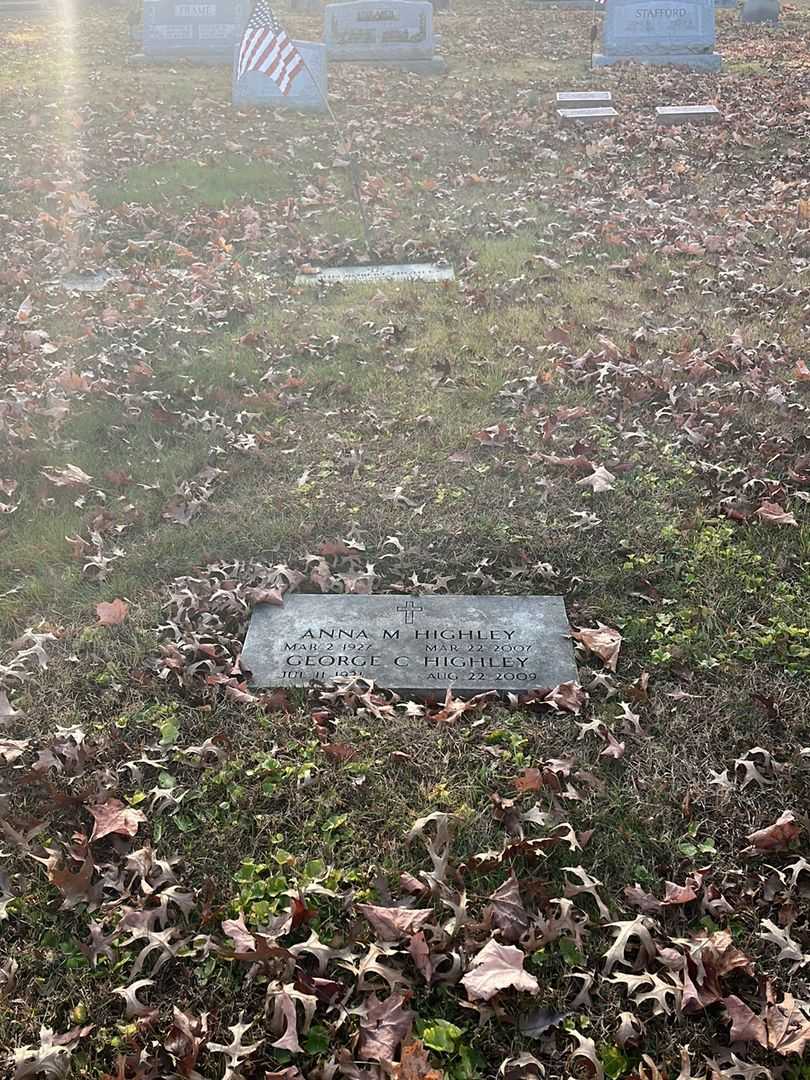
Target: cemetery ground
610	403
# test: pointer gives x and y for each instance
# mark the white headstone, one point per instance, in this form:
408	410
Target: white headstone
307	92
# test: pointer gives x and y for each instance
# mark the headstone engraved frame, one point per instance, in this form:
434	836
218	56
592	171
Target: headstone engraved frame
423	645
204	32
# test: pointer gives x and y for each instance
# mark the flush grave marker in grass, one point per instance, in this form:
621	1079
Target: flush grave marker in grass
424	644
370	275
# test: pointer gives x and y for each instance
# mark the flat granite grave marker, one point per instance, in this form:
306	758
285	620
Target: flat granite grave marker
371	275
307	92
584	99
688	114
391	33
680	32
586	116
202	32
423	644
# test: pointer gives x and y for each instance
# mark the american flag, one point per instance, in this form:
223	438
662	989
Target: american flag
266	48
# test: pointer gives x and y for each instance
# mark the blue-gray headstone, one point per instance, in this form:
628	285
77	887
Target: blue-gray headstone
660	32
307	91
206	32
383	30
760	11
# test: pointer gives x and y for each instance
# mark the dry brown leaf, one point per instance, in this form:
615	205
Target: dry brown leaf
604	642
776	837
415	1063
599	480
114	816
395	923
497	967
112	613
773	514
384	1027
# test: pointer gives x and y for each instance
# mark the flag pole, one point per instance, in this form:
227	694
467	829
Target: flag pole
354	165
593	32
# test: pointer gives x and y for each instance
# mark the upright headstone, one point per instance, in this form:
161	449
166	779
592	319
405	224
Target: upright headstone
23	7
395	33
678	32
307	92
425	644
203	32
760	11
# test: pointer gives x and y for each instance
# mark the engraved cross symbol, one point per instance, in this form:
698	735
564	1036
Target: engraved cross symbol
408	611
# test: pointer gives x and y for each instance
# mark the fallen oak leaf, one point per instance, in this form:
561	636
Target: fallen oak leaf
236	1051
782	1026
112	613
773	514
395	923
128	993
75	888
386	1024
507	912
12	749
604	642
114	816
776	837
6	710
414	1063
50	1059
420	954
70	476
586	1050
498	967
599	480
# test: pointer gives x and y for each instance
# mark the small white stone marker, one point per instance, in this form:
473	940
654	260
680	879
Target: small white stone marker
586	116
370	275
688	114
583	99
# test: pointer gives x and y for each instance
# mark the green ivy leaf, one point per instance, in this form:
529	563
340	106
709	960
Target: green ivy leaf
442	1036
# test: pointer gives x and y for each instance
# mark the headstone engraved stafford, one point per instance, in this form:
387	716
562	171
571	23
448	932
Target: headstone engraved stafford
203	32
307	92
678	32
424	644
388	33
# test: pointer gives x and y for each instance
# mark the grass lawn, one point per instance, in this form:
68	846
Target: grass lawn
599	893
